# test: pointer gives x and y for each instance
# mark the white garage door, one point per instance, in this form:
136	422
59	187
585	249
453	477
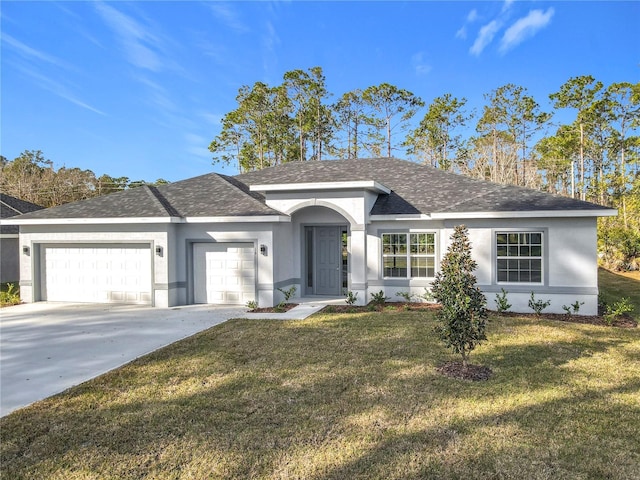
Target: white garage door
96	273
224	273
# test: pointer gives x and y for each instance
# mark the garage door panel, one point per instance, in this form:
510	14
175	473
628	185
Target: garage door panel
224	273
96	274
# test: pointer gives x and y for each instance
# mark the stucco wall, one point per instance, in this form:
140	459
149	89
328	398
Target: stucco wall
569	260
256	233
151	234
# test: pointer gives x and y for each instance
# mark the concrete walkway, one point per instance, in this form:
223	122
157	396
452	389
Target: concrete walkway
46	348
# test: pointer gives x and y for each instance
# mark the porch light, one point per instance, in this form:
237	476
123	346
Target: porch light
159	251
25	250
263	249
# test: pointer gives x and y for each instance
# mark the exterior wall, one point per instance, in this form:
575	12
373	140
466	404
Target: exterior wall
569	251
10	259
391	286
307	216
345	207
569	260
257	233
34	236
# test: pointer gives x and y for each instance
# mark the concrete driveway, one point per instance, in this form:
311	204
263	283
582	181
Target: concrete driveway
46	348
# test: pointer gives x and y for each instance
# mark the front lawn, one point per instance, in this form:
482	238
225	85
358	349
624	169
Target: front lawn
347	396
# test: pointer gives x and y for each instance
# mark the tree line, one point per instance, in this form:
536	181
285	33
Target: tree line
32	177
510	140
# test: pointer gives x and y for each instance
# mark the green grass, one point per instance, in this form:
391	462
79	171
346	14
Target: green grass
346	396
614	286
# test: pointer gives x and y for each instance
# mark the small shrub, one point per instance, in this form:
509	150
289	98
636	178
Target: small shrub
408	297
427	296
618	309
352	298
279	308
288	293
10	296
378	299
502	304
252	304
538	305
573	308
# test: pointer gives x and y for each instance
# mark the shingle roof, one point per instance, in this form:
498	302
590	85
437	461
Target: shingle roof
418	188
12	206
415	189
209	195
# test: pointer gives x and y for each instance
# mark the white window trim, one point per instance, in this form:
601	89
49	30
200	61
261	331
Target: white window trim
408	255
542	256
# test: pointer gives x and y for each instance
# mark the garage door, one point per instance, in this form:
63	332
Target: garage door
224	273
96	273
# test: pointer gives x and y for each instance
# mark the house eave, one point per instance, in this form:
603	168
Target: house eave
400	217
241	219
370	185
609	212
93	221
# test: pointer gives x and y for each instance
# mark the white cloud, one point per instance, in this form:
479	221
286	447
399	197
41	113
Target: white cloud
506	5
228	16
47	83
485	37
472	16
525	27
139	43
28	52
419	63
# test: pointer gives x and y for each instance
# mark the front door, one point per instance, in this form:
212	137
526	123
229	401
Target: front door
326	260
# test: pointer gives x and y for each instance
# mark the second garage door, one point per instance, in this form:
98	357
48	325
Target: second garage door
224	273
96	273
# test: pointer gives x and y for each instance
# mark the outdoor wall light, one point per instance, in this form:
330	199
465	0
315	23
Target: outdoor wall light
263	249
25	250
159	251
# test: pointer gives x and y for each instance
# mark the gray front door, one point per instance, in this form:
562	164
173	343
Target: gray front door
328	260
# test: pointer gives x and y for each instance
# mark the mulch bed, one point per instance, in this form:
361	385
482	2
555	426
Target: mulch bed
388	306
475	373
285	308
620	322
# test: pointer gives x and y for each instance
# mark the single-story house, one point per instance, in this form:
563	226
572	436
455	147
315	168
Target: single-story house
9	252
325	227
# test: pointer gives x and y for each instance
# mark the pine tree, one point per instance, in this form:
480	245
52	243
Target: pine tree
462	319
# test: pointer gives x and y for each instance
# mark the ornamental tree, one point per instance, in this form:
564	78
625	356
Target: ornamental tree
462	319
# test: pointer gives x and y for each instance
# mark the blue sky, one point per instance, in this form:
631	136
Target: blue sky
137	89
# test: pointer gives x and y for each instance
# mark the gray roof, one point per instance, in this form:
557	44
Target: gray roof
415	189
209	195
418	188
12	206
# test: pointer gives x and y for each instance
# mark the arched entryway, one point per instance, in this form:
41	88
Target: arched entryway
324	247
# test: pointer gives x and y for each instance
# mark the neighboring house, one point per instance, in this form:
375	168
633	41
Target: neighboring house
327	227
9	253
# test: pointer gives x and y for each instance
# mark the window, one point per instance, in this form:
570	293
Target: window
519	257
409	255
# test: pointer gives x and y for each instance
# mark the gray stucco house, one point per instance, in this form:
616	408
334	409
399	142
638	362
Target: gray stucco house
328	227
9	252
